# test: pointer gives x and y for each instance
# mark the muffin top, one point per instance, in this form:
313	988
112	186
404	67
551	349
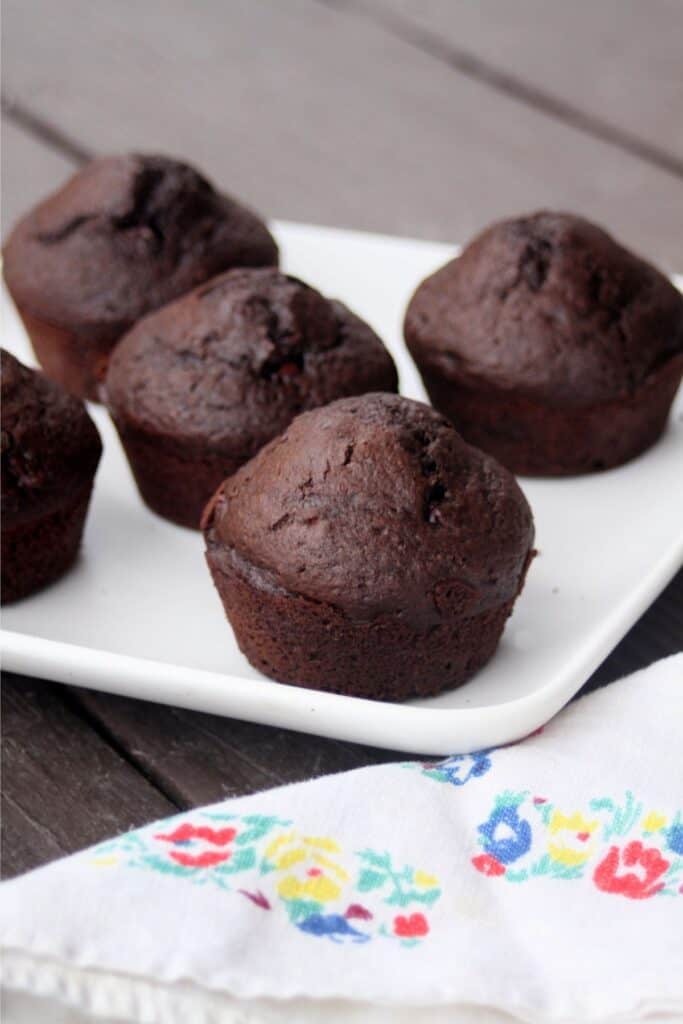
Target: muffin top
375	505
124	236
549	306
228	366
50	446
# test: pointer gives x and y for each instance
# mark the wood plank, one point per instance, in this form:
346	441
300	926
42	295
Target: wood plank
618	60
657	634
314	114
198	758
64	787
25	843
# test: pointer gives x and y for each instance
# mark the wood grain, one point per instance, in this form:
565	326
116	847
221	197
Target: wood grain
313	114
63	786
616	62
657	634
196	758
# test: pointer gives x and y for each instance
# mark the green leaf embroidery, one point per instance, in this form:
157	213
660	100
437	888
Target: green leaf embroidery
428	897
259	826
300	909
369	879
241	860
378	860
623	817
509	798
545	811
402	897
162	864
542	866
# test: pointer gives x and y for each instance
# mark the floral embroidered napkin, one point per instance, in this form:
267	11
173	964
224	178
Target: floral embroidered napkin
541	882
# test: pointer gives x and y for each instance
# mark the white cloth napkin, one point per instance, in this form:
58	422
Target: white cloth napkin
541	881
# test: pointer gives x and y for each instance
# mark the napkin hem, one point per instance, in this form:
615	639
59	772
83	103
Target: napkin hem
123	997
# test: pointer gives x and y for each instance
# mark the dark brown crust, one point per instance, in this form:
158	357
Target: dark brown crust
535	439
50	452
124	236
77	367
38	551
314	645
369	550
548	312
196	389
172	483
50	446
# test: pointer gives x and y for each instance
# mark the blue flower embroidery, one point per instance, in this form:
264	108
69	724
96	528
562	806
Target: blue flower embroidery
333	926
674	837
460	768
508	847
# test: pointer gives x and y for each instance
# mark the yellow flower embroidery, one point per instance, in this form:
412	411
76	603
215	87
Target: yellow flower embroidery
320	888
571	850
289	858
278	843
653	821
424	880
323	843
311	874
330	864
106	861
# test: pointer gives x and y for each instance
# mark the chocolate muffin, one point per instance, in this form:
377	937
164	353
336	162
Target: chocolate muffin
198	387
125	235
369	551
50	452
549	345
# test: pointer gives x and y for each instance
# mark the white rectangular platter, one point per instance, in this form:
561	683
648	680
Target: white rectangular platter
138	614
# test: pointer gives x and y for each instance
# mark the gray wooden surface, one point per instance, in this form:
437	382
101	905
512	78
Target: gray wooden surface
418	117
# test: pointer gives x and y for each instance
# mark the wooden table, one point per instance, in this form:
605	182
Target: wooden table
416	117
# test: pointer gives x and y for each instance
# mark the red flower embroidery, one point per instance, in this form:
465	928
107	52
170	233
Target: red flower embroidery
488	865
183	833
635	886
207	859
410	927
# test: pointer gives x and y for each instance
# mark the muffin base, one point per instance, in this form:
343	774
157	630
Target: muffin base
532	438
38	551
79	365
174	485
314	645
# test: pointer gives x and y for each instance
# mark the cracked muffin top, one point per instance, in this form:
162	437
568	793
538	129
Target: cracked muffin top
549	306
50	446
375	505
124	236
228	366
